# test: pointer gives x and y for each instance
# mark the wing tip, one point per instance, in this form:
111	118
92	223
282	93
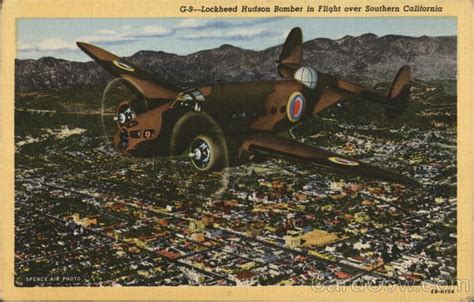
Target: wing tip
95	52
409	182
82	45
86	47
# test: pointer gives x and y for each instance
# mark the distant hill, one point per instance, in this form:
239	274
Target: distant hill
366	58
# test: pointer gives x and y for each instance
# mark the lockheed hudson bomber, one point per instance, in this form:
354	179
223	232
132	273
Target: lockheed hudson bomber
227	124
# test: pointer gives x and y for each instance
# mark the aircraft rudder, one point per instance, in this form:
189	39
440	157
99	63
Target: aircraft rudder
291	53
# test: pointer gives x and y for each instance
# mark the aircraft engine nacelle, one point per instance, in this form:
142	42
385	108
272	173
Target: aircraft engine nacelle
138	134
198	136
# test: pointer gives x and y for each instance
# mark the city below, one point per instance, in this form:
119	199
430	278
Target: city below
88	216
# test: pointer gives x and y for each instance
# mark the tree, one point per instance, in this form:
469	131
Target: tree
395	251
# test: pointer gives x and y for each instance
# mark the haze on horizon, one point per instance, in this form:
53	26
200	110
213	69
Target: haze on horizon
57	38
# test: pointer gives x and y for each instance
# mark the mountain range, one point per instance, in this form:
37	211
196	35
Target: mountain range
367	59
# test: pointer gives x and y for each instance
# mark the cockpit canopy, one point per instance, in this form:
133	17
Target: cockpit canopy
191	98
307	76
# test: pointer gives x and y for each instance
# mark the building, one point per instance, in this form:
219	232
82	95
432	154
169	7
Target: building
198	236
207	219
195	226
361	217
355	187
88	221
196	277
245	278
253	232
85	222
336	185
293	238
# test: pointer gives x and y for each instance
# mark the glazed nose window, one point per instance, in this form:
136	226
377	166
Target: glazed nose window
307	76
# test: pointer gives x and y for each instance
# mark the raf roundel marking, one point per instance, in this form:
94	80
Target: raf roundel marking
123	66
295	106
343	161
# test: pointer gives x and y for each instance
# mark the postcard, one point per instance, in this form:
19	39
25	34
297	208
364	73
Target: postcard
278	150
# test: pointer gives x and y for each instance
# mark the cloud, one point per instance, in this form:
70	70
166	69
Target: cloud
51	44
191	23
187	28
150	31
101	37
228	30
235	34
24	45
127	34
190	29
106	32
200	24
106	39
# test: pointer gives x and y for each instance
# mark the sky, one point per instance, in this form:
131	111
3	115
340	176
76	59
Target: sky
124	36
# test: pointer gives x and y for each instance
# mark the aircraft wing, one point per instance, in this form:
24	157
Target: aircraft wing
266	144
139	79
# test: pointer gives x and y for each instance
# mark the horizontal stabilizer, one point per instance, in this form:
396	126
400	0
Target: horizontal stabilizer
395	101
